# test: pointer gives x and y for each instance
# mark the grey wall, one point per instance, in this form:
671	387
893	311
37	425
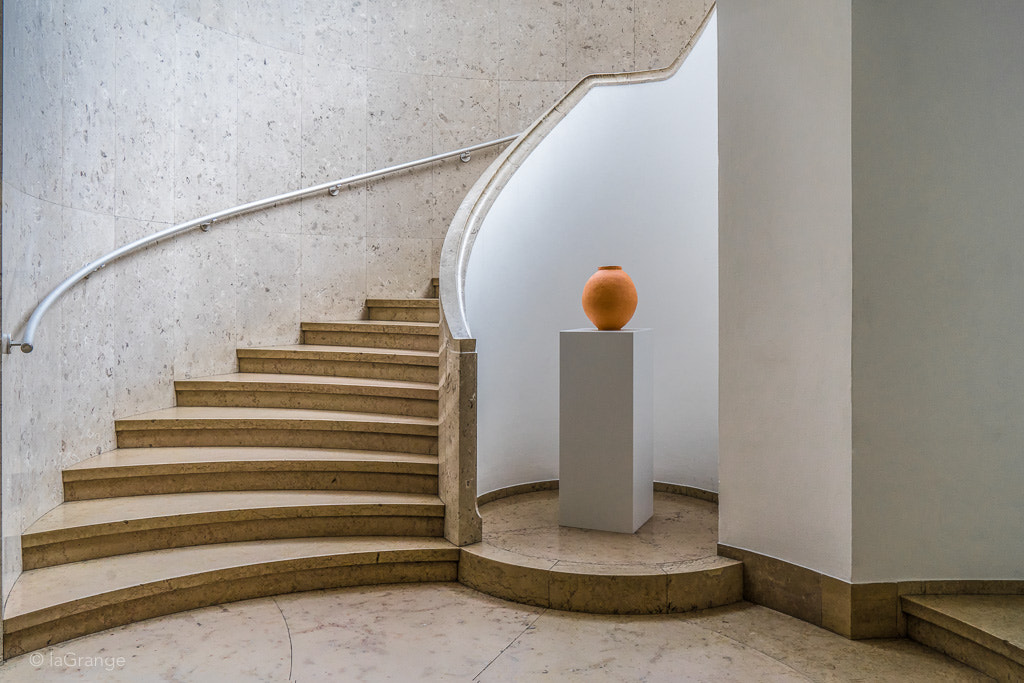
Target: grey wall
785	280
871	277
938	305
124	117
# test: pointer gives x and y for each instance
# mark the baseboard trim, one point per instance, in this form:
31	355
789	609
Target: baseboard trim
854	610
684	490
518	489
552	485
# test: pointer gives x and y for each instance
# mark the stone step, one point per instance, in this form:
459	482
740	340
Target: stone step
55	604
282	427
669	565
147	471
982	631
409	310
382	334
310	392
601	588
341	361
89	529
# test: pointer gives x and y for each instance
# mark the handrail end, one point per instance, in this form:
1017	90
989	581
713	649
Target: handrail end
6	343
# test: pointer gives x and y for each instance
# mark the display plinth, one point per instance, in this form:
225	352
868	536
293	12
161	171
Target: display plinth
606	429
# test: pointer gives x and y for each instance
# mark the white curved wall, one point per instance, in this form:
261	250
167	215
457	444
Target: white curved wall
629	177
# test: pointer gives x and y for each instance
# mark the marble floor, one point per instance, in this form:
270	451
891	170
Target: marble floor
446	631
682	528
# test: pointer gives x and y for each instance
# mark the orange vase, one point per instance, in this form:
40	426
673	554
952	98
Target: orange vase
609	298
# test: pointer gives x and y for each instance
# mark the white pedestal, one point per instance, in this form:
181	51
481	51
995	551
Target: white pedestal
606	429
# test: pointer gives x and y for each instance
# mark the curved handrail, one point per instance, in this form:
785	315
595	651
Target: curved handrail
469	218
204	222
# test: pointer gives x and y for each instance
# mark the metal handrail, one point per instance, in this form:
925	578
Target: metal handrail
333	188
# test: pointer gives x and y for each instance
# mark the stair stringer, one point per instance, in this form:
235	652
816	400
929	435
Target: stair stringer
456	439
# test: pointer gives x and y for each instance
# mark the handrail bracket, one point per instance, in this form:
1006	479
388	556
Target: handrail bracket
6	343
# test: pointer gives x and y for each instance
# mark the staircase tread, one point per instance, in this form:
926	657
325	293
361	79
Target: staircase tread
493	553
270	378
210	413
262	457
403	303
994	621
77	590
342	349
106	511
326	351
45	588
370	325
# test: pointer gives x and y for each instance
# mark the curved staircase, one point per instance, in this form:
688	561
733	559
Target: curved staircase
315	466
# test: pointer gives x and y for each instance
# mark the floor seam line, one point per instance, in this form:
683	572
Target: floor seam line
747	646
510	644
288	630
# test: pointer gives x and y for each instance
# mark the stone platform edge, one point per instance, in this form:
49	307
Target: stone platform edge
552	485
671	587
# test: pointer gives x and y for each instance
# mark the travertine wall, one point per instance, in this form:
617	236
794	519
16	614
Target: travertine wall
126	116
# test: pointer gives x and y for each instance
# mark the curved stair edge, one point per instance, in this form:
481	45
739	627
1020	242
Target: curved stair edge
601	589
984	631
390	561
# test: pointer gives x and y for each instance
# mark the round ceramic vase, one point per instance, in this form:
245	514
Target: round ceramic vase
609	298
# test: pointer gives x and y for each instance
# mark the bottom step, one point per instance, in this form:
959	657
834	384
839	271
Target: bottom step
982	631
601	588
58	603
669	565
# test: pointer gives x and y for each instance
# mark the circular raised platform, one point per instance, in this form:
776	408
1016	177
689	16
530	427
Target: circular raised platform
669	565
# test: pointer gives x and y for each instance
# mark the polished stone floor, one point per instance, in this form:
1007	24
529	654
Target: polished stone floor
446	631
